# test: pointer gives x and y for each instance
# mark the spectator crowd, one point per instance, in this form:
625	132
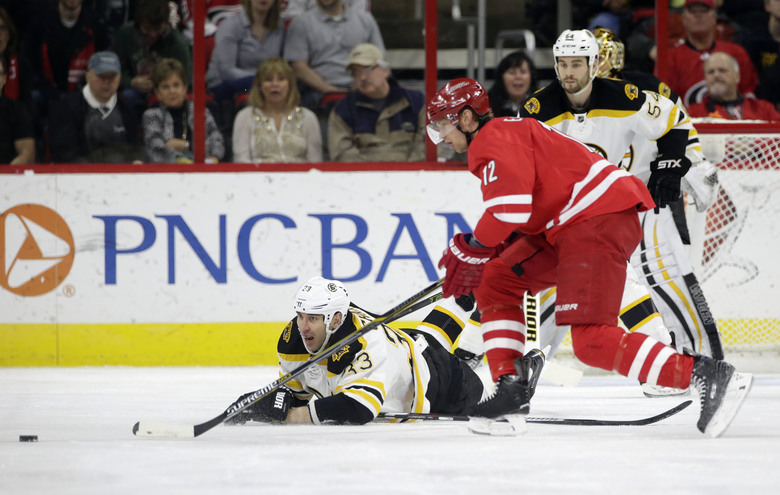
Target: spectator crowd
110	81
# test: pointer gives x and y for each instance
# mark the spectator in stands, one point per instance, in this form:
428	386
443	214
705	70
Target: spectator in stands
167	126
318	45
640	42
57	47
17	144
291	8
686	59
8	51
243	41
142	42
515	80
273	128
379	120
96	124
763	45
724	101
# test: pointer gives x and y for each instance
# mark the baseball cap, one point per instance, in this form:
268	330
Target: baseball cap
366	54
706	3
103	62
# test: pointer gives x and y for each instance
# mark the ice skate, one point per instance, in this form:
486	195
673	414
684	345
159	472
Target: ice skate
721	393
513	392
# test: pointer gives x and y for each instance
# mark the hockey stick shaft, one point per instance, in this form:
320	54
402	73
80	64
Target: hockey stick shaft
549	421
413	303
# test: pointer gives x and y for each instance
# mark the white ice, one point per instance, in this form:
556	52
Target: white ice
83	419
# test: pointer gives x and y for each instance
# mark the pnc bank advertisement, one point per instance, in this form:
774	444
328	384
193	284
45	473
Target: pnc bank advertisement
145	257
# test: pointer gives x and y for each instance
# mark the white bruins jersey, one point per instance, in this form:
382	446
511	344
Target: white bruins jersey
618	116
384	370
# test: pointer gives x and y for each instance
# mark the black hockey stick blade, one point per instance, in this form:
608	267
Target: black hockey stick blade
548	421
158	429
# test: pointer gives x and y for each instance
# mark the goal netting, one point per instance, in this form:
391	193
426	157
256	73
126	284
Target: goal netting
734	243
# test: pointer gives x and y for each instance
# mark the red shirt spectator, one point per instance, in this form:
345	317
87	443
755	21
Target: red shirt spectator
688	56
724	101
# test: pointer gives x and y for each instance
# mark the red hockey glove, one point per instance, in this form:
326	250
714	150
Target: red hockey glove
464	264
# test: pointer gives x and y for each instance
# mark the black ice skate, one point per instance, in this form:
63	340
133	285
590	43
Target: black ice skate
513	392
721	393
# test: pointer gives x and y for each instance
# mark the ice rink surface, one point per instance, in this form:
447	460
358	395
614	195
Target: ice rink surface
83	419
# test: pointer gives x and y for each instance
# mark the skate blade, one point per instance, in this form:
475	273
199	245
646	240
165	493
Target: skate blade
655	391
509	425
736	391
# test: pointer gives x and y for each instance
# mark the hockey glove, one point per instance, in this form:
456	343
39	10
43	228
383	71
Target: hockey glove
665	176
272	408
464	264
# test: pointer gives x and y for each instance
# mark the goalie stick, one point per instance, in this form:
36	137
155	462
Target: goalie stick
547	421
412	304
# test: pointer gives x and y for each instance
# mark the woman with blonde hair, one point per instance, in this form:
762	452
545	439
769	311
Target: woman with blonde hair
273	127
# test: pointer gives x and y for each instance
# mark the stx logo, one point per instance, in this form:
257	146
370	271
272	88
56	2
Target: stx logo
673	163
36	250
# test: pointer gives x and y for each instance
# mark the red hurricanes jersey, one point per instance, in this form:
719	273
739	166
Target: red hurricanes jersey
686	74
538	180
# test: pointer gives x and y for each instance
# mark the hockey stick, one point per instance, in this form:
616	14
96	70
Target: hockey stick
158	429
547	421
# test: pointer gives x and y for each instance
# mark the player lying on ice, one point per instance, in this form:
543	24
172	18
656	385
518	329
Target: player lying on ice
386	370
557	214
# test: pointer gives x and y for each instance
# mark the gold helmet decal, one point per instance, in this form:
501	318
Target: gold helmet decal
612	52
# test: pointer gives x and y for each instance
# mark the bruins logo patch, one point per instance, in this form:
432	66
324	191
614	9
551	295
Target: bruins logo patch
287	332
664	89
632	92
532	106
338	355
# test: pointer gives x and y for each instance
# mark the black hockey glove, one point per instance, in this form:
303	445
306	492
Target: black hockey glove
272	408
665	176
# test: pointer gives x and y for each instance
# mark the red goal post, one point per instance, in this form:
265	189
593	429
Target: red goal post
734	243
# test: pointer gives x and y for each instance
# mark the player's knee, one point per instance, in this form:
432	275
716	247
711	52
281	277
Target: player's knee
596	345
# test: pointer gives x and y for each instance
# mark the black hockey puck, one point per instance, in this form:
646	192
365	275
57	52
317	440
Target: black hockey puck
28	438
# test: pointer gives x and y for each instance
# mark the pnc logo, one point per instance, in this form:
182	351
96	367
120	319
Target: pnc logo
36	250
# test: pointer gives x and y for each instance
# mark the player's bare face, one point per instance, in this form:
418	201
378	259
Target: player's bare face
574	73
452	136
312	329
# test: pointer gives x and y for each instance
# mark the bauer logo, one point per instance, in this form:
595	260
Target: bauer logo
36	250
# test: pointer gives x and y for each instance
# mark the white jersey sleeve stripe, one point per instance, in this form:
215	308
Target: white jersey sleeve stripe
513	217
590	198
509	199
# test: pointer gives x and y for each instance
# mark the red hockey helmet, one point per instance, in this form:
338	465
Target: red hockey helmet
450	100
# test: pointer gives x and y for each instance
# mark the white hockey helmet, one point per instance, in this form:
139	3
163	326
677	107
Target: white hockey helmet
320	296
577	43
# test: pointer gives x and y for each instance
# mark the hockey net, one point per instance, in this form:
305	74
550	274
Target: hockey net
734	242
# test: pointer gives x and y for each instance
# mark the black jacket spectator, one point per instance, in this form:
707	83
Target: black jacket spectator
69	142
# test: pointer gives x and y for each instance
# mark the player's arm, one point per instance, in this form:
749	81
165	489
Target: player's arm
659	115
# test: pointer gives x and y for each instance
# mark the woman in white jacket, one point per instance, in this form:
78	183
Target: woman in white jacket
273	128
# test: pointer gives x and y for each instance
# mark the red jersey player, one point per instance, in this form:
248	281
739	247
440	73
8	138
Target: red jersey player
557	214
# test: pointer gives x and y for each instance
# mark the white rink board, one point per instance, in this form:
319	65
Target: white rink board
377	200
381	206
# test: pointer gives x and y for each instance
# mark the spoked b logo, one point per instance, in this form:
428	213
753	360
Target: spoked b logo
36	250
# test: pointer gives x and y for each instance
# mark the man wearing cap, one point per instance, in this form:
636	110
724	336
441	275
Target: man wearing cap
378	120
95	124
686	59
